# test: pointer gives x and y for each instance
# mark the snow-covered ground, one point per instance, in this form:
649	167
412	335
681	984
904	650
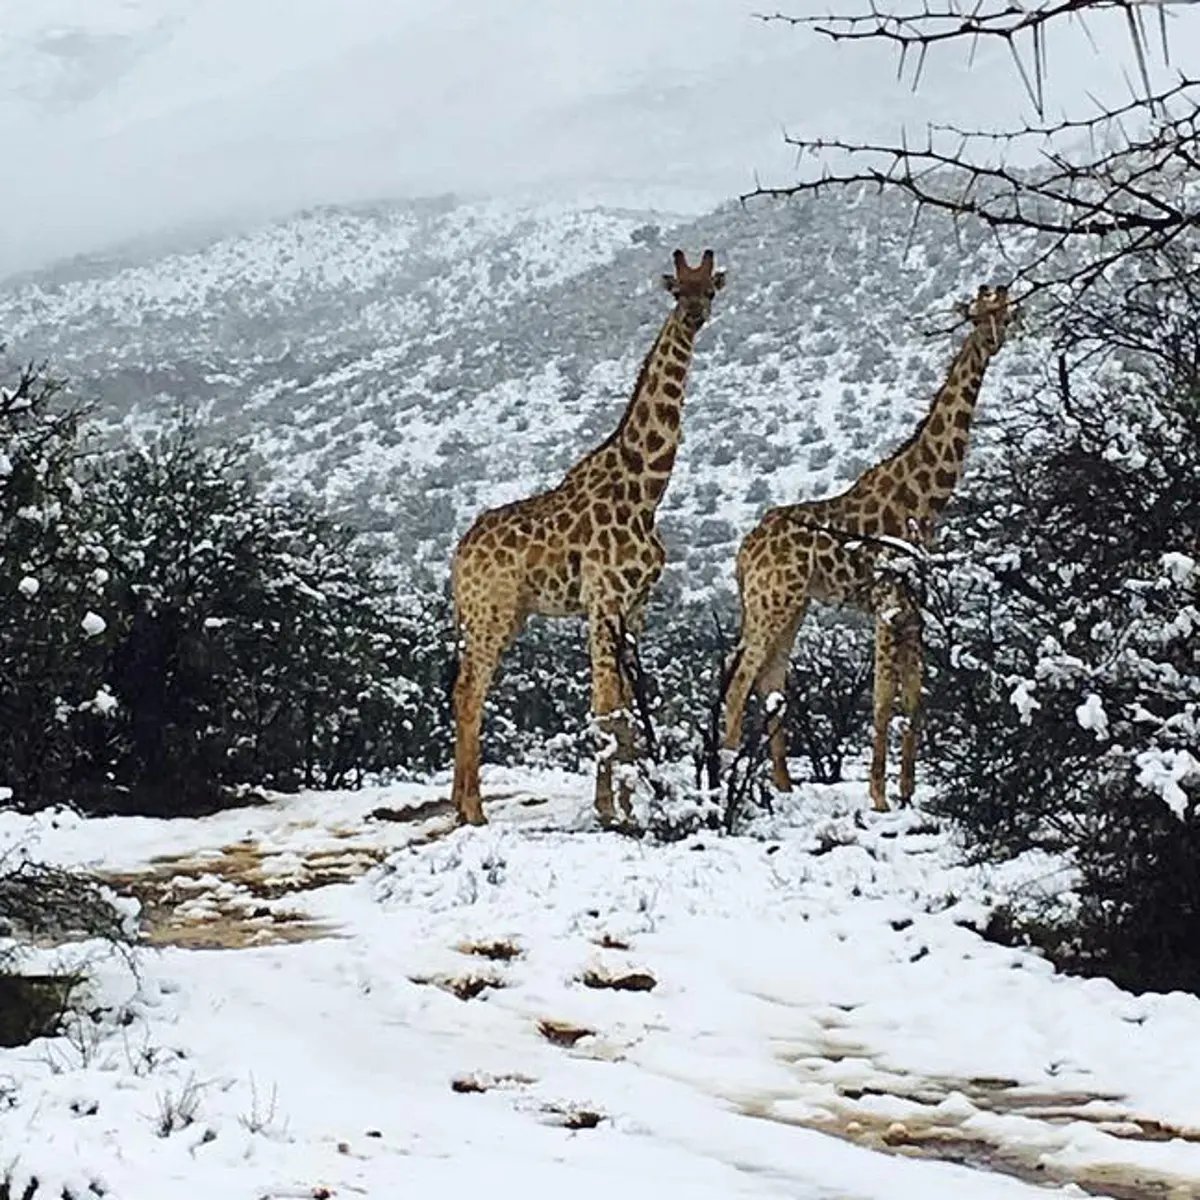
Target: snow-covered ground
808	1013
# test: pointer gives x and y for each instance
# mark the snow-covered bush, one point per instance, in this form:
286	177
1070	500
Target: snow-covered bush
53	589
829	693
254	642
1065	645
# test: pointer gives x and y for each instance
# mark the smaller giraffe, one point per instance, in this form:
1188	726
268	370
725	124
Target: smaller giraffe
836	550
585	548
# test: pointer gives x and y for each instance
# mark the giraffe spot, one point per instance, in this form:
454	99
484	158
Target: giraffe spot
622	536
633	460
674	371
654	490
945	479
641	412
668	414
602	513
633	491
624	512
937	424
652	381
633	576
672	390
962	418
922	480
654	441
681	353
928	454
664	462
583	528
906	496
563	521
535	554
959	447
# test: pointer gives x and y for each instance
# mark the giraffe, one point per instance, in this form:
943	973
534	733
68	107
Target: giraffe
836	550
587	547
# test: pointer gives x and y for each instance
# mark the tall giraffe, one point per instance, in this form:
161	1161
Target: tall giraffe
835	550
585	548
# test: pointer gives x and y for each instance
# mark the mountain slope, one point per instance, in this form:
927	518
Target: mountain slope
410	364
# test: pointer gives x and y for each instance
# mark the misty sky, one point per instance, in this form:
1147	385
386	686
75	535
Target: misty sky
122	118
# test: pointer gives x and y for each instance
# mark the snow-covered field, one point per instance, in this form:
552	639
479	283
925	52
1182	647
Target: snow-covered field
808	1013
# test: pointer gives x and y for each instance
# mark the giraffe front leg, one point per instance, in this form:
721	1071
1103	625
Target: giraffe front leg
485	637
604	627
885	694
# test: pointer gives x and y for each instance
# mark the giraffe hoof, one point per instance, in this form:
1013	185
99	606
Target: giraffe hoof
471	816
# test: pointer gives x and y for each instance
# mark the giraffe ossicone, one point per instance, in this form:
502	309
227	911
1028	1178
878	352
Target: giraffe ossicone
587	547
842	550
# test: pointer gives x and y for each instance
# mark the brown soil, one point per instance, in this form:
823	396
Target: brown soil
926	1133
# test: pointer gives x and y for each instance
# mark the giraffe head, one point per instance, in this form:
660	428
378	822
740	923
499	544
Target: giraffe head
694	287
992	315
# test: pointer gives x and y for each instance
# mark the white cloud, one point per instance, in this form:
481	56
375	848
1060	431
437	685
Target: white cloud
130	117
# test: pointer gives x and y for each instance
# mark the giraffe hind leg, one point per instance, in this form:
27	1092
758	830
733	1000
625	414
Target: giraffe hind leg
909	670
773	678
885	694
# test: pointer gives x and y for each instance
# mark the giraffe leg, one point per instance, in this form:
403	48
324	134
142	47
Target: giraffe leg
773	678
909	669
627	750
885	694
608	690
485	639
770	608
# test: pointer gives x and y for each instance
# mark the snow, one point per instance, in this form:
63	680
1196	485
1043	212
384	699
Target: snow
28	586
821	977
93	624
1091	715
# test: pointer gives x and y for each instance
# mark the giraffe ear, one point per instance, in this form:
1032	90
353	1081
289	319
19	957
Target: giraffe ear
668	282
680	261
718	280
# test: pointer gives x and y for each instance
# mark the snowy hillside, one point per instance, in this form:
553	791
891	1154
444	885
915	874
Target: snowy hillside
536	1008
412	364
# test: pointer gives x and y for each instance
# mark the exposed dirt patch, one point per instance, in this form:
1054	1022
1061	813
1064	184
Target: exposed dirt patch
562	1033
414	813
465	987
498	951
475	1083
571	1118
932	1130
611	943
229	898
628	981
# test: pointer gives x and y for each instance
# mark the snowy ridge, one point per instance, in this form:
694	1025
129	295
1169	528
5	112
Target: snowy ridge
411	364
822	976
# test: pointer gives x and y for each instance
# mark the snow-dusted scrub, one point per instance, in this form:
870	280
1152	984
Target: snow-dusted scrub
256	643
1064	639
170	636
53	589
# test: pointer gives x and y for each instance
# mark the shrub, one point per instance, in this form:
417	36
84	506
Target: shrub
1063	634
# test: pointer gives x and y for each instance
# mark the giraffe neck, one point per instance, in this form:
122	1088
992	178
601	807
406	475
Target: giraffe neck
648	435
930	464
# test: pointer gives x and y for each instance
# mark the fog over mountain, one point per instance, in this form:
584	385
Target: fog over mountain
131	118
